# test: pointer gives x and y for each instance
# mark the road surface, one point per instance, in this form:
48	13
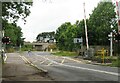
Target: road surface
68	69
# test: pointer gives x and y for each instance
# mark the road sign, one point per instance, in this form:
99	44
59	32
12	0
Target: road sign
78	40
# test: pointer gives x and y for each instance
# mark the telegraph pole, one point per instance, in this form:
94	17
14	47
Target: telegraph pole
85	27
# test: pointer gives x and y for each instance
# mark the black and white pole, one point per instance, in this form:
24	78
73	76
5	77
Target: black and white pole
85	27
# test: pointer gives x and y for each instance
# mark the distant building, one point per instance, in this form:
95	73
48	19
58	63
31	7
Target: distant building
46	38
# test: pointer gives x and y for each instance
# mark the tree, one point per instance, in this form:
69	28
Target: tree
65	35
14	32
15	10
100	22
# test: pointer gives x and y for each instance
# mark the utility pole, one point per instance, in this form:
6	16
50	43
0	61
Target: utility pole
85	27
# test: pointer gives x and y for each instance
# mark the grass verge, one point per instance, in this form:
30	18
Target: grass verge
65	53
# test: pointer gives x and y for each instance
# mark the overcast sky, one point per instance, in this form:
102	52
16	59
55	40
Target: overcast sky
48	16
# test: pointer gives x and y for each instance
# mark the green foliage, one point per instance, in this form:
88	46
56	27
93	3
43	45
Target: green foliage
65	35
15	10
100	22
14	32
27	47
116	63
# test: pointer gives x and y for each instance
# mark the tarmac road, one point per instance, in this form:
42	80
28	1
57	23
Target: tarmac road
68	69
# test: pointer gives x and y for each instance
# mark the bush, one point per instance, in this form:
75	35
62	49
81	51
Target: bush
26	47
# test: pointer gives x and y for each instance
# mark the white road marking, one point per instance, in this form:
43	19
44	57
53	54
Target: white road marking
112	73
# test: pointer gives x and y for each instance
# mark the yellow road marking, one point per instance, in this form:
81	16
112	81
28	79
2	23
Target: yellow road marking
24	59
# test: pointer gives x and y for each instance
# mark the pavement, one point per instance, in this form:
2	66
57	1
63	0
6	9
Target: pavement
16	69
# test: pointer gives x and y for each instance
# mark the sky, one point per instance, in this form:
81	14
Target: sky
47	16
